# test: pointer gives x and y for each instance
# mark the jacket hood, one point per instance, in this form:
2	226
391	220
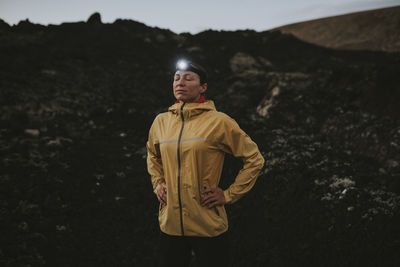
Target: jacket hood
191	109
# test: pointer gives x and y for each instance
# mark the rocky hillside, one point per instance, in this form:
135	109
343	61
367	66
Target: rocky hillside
376	30
77	100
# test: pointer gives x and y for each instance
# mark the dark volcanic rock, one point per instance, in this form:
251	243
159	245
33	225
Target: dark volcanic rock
25	26
4	26
77	101
95	18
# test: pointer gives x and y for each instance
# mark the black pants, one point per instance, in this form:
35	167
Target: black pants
193	251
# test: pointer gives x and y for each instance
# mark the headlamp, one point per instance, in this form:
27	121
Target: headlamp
183	64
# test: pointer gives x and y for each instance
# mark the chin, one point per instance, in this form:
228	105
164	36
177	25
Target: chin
182	98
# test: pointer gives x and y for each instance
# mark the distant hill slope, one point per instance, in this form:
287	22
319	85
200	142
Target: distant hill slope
377	30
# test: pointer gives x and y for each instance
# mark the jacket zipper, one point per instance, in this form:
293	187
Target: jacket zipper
179	170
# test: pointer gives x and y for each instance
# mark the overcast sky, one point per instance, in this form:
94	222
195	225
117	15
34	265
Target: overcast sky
186	16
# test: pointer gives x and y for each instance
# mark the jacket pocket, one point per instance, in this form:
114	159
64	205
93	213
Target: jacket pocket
216	210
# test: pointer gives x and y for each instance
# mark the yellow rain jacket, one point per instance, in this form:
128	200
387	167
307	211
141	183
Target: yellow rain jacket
185	151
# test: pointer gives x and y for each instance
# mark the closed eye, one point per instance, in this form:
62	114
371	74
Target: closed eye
188	77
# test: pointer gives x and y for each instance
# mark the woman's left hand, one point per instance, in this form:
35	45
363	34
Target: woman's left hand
212	197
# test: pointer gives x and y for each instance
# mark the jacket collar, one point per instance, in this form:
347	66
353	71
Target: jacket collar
191	109
200	100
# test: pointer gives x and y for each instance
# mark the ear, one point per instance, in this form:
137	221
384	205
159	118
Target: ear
203	88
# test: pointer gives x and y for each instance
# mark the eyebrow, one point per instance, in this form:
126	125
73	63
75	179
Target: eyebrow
186	74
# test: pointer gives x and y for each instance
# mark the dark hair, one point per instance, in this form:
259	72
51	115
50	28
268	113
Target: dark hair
196	68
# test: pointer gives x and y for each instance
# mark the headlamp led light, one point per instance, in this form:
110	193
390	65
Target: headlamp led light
190	66
182	65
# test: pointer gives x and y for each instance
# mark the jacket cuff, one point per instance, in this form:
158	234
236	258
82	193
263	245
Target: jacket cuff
228	199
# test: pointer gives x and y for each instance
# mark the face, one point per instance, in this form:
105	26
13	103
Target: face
187	86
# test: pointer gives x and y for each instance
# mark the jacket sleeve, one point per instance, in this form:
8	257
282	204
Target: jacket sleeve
154	163
236	142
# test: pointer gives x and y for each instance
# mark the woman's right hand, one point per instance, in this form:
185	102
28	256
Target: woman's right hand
162	194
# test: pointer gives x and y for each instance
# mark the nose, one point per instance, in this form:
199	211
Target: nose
180	82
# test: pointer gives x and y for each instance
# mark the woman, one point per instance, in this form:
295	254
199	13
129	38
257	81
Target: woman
186	148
